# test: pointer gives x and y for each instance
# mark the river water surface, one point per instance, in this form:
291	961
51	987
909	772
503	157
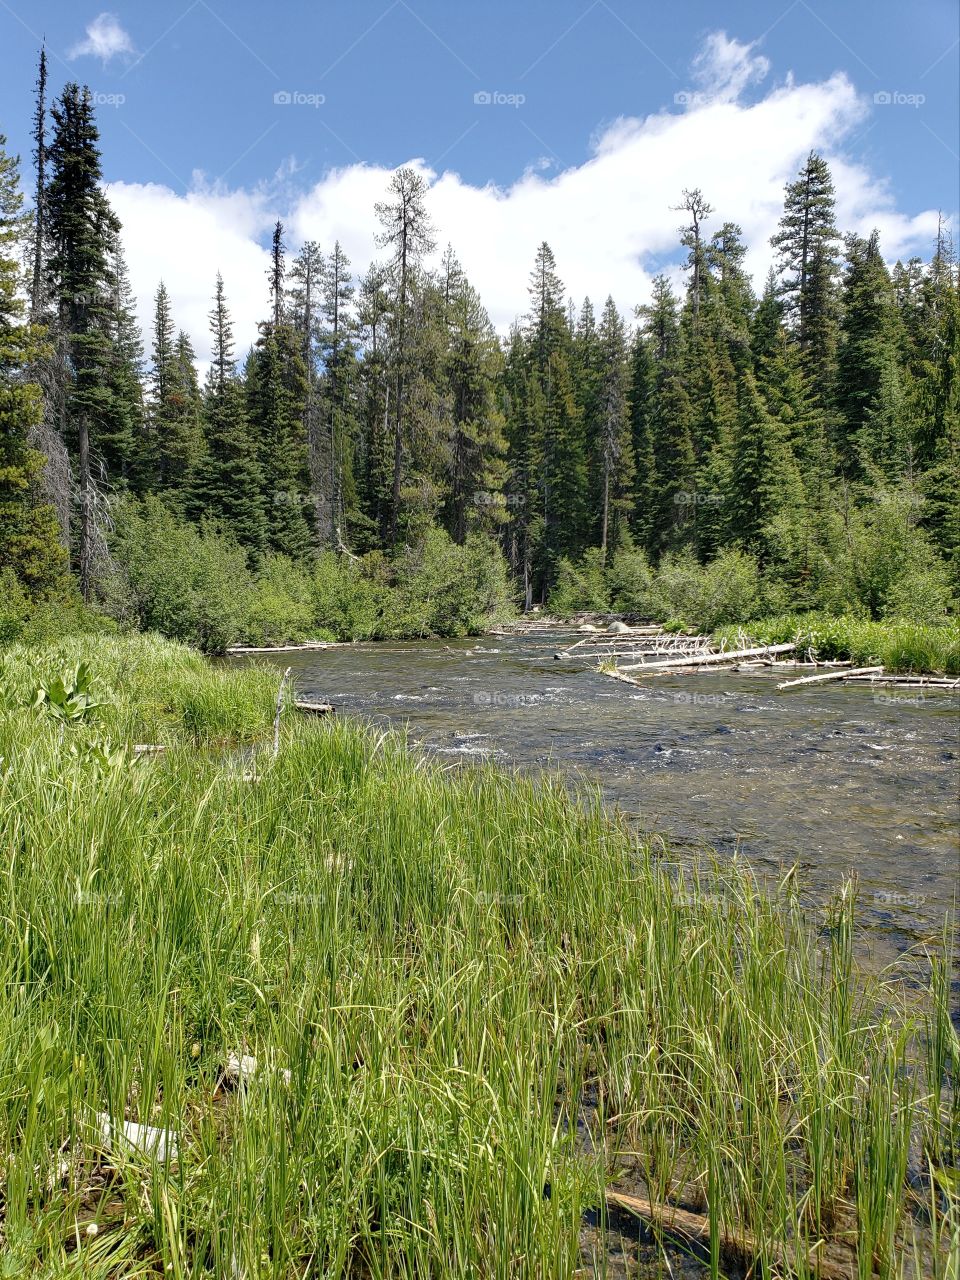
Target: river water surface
843	779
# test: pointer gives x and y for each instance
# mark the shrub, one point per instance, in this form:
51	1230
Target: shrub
347	600
581	586
707	596
281	605
36	623
447	590
189	583
631	583
920	595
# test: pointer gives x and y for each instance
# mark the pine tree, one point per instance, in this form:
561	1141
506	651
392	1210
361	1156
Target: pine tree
29	543
522	427
872	434
407	231
121	431
547	328
39	133
691	237
373	458
564	473
807	244
642	392
616	444
81	229
173	411
338	352
276	382
227	483
306	275
476	469
674	465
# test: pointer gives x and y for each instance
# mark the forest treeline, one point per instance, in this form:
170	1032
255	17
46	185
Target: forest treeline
801	446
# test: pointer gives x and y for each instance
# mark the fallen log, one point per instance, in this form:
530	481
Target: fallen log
314	708
831	675
565	653
908	682
280	648
698	659
833	1261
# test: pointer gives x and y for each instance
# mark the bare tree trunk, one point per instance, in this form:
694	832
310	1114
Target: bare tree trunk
86	513
606	510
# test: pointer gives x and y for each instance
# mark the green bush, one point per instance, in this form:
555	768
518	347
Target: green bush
281	606
188	582
347	602
631	583
443	589
30	622
707	596
920	595
581	586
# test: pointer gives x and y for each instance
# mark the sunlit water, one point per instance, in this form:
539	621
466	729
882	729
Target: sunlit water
840	779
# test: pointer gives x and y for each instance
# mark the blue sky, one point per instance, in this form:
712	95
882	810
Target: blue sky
601	112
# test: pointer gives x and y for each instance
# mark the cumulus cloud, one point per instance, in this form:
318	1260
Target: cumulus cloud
105	39
609	220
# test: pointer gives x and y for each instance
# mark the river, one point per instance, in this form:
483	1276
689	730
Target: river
841	779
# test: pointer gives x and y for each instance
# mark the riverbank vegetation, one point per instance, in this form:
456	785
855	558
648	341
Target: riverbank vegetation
726	454
898	646
474	1004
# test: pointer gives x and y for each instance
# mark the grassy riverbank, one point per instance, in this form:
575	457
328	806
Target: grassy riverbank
473	1005
899	646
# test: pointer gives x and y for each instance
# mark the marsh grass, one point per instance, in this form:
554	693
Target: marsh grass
900	645
460	971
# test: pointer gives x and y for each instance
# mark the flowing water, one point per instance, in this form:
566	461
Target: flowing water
842	779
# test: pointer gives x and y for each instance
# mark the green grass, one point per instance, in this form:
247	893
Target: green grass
900	646
453	967
152	690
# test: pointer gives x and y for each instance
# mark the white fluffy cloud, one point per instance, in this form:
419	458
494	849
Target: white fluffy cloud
104	39
610	220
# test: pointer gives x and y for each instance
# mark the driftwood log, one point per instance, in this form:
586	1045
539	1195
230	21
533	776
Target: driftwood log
698	659
827	1261
831	675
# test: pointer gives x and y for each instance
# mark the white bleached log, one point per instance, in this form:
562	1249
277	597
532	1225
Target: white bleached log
831	675
699	659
